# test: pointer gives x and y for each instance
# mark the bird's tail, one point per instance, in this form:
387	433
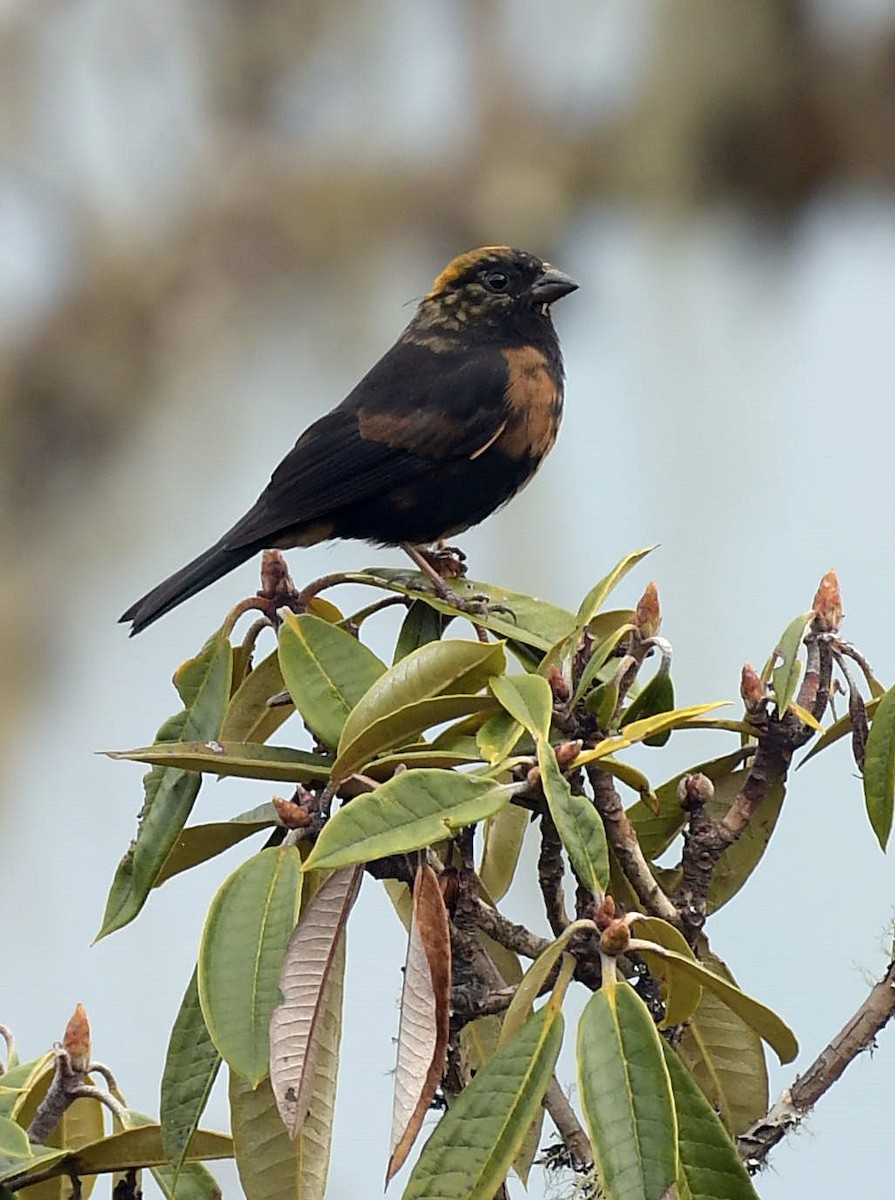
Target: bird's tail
184	583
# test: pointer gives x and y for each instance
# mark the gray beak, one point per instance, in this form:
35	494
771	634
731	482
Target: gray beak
552	285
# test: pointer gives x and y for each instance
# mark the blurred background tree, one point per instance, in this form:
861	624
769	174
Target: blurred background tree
211	215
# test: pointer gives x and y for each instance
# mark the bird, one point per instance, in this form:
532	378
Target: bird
446	428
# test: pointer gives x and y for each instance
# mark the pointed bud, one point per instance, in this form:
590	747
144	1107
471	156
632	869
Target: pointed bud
616	938
558	684
647	615
828	604
752	689
567	752
76	1040
291	815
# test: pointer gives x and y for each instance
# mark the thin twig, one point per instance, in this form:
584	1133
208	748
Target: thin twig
623	839
568	1126
856	1036
550	874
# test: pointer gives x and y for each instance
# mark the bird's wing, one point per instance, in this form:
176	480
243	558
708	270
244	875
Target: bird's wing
411	413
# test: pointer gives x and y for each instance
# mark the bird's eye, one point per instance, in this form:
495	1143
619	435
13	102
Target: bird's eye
497	281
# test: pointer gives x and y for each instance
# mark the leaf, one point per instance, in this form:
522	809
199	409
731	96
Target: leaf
709	1160
599	656
725	1056
302	1024
504	835
633	779
680	991
433	684
577	822
596	597
739	860
879	769
498	737
766	1023
425	1017
131	1149
421	626
626	1096
535	978
249	718
277	764
785	677
656	698
528	699
243	943
470	1151
13	1140
327	671
533	622
204	687
403	725
410	811
199	843
638	731
270	1164
191	1067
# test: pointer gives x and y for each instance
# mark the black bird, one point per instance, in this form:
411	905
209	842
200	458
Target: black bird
450	423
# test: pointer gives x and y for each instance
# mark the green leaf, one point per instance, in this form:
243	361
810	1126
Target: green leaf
528	699
533	622
132	1148
277	764
412	810
725	1056
498	737
504	835
596	597
13	1140
199	843
638	731
785	677
327	671
192	1182
191	1066
249	718
709	1160
169	793
766	1023
680	991
421	626
535	978
243	943
656	698
470	1151
599	656
577	822
626	1095
270	1164
879	769
436	683
403	725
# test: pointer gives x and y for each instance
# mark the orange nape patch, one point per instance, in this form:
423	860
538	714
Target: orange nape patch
304	535
461	264
535	405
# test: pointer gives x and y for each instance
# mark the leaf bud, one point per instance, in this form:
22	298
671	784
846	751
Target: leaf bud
616	938
827	604
76	1039
752	689
647	615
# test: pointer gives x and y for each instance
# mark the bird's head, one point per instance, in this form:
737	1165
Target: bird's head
495	288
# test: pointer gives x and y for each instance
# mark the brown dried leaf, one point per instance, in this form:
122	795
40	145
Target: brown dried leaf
425	1016
296	1024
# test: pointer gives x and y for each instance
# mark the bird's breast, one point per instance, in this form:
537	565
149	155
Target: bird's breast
534	398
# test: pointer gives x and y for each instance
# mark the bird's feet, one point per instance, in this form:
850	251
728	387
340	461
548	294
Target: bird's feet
440	563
